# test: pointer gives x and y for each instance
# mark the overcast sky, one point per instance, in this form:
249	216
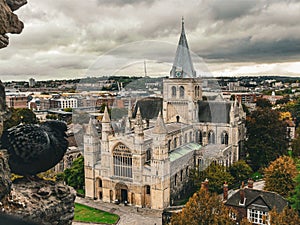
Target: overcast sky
68	38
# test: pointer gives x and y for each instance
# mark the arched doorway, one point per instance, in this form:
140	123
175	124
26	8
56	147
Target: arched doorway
122	192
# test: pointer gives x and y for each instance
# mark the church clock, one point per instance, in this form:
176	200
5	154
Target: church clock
178	74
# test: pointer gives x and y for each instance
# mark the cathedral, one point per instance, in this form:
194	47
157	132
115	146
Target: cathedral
149	163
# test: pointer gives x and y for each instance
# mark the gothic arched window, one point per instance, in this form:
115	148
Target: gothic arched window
122	159
173	91
181	91
148	155
224	138
200	138
211	137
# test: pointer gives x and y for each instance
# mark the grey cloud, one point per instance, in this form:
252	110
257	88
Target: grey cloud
235	31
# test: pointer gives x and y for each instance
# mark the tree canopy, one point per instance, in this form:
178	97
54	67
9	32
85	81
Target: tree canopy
280	176
216	175
240	171
203	208
287	217
263	103
296	143
74	176
266	137
295	199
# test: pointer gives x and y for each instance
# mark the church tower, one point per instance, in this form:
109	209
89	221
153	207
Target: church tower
182	90
160	166
91	156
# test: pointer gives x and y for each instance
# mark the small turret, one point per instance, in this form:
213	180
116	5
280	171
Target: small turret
159	133
106	126
139	128
160	127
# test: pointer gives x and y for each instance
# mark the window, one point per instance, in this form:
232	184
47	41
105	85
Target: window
99	183
122	159
175	143
173	91
148	190
200	138
258	217
187	171
197	91
224	138
181	175
175	179
148	155
185	138
181	91
211	137
191	136
169	145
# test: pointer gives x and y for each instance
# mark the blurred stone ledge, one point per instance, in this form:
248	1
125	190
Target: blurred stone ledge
43	202
9	22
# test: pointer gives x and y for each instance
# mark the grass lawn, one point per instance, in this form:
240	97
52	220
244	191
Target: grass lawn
87	214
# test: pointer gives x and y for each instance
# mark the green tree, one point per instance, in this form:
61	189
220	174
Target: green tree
296	143
296	196
240	171
203	208
74	176
266	137
280	176
295	199
17	116
216	175
263	103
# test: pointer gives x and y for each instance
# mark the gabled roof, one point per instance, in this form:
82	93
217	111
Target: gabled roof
183	61
214	111
150	107
253	197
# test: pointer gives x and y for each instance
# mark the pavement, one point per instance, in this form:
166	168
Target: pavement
129	215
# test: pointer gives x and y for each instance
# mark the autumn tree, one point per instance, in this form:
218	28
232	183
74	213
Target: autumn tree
287	217
240	171
266	137
203	208
216	175
280	176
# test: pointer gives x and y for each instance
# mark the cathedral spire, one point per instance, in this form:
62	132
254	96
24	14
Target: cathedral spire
90	130
183	65
138	117
160	127
106	118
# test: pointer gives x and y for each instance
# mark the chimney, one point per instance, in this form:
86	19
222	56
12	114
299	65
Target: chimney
250	183
204	185
242	194
225	191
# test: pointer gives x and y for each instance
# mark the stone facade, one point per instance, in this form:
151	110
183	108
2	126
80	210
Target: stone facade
148	164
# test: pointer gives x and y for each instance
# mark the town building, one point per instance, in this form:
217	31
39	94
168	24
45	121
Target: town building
147	162
16	101
254	204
